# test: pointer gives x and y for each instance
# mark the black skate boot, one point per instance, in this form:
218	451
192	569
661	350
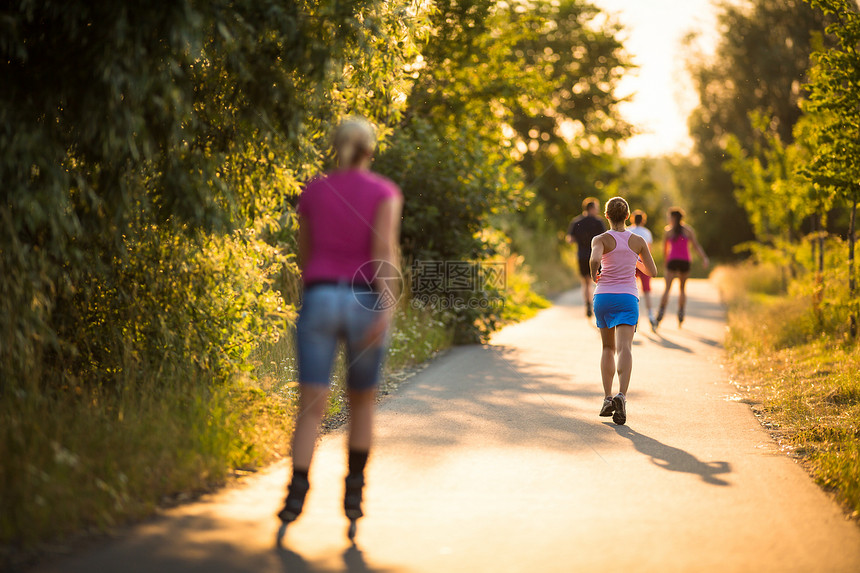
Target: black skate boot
656	322
352	501
293	505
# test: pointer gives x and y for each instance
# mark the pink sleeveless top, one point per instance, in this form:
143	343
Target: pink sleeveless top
340	209
618	275
679	248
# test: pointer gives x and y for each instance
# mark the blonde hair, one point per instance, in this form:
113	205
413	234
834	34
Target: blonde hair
617	210
354	141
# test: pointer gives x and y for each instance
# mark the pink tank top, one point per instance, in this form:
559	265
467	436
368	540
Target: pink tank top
679	248
618	275
340	209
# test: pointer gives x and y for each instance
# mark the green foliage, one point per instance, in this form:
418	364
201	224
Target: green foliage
768	184
453	181
566	133
550	262
204	124
486	126
781	182
150	155
833	92
759	66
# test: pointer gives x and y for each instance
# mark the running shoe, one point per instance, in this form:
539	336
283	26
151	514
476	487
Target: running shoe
659	318
680	317
654	323
608	408
620	414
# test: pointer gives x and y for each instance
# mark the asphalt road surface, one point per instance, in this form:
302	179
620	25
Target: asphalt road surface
494	459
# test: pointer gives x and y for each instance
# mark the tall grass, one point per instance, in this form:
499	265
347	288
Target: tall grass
789	351
86	458
548	264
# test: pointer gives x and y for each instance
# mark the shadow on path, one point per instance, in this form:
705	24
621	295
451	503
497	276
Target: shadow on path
353	560
661	340
292	561
674	459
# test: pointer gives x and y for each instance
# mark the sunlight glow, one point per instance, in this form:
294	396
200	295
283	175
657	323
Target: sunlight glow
662	95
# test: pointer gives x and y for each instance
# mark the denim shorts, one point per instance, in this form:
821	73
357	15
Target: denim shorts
332	313
611	309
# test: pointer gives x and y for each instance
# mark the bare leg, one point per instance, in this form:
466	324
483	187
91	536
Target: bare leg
670	277
361	404
624	341
607	359
682	297
586	294
312	402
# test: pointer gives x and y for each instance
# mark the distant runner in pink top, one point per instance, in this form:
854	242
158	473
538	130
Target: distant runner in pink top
617	254
676	248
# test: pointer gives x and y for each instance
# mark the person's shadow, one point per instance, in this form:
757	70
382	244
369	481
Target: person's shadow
674	459
658	338
354	560
294	563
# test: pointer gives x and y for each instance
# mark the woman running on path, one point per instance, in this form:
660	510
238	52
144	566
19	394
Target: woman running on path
349	224
676	250
616	253
638	228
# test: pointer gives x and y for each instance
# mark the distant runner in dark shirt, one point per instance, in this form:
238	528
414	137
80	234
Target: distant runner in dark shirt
582	229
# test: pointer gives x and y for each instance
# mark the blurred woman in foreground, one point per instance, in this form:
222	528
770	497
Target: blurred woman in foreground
349	227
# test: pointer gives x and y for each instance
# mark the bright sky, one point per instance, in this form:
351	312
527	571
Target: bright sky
663	96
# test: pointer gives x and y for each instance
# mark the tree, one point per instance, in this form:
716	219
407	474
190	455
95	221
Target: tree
146	149
488	104
834	93
760	65
126	126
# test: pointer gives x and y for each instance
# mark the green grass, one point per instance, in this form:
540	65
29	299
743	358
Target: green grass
795	360
550	266
82	459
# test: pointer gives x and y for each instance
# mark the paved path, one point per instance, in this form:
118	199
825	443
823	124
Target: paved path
494	459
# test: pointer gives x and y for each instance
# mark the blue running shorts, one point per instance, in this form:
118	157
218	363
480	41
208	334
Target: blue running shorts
610	309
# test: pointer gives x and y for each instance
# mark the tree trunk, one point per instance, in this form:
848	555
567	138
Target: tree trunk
852	279
822	231
818	265
813	242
